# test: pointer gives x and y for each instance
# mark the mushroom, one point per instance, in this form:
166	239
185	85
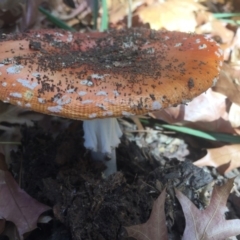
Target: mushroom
99	76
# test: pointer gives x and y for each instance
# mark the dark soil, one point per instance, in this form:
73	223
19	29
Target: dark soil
60	173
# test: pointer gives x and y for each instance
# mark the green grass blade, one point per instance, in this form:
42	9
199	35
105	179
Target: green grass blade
104	20
222	137
95	13
225	15
231	21
59	23
129	23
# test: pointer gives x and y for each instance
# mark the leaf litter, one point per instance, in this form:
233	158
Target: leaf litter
222	100
155	228
207	224
17	206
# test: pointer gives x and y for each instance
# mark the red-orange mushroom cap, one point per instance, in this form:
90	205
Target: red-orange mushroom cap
99	75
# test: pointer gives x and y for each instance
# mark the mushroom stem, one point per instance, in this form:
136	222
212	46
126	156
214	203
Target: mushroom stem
109	160
102	137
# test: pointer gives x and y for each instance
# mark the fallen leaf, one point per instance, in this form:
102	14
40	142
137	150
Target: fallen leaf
206	112
234	115
216	157
120	9
229	82
234	47
155	228
31	14
17	115
10	12
171	15
209	224
17	206
216	28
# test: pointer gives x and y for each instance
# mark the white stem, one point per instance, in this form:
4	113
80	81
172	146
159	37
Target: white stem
102	137
111	163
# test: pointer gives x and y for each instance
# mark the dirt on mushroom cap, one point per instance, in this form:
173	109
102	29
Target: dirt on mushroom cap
99	75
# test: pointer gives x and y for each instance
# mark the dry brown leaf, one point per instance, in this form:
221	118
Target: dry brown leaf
235	49
10	12
155	228
202	17
206	112
227	155
216	28
229	83
17	206
234	115
171	15
31	14
17	115
209	223
118	9
231	46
